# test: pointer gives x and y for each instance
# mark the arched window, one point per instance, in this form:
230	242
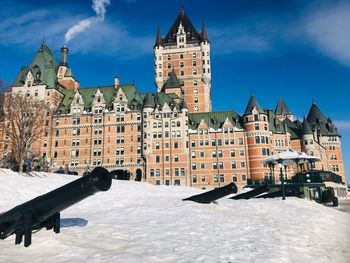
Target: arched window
178	124
36	93
166	124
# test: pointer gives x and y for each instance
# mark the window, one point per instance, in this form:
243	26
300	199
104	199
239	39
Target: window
194	55
194	179
76	142
176	158
240	141
120	129
194	166
256	117
241	152
97	119
243	177
193	143
181	64
181	56
232	153
76	121
242	164
193	155
76	131
169	65
233	165
157	159
119	151
194	63
256	126
194	72
234	178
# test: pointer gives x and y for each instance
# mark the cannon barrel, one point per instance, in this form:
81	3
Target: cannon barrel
44	210
213	195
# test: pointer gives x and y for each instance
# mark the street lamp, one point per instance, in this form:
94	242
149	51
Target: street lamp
280	165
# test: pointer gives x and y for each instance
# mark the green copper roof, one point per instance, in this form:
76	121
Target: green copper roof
293	128
251	105
282	108
136	100
43	68
172	81
275	125
214	120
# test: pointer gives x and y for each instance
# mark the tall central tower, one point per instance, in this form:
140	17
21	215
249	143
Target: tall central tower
187	52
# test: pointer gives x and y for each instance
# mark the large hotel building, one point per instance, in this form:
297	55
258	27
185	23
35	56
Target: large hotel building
170	136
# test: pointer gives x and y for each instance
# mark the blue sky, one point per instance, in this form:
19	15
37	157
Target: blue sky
298	50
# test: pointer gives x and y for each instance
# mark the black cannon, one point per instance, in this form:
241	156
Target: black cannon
44	211
213	195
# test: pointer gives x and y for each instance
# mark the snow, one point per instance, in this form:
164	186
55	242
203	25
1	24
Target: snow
138	222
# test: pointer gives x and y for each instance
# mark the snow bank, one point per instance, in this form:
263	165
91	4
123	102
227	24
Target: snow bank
138	222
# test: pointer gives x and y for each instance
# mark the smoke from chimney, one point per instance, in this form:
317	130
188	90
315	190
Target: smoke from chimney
99	6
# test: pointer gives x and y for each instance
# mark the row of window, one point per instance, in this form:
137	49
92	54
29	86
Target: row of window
262	139
219	165
217	153
234	177
217	142
177	172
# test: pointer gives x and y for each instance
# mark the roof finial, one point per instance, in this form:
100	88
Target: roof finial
182	11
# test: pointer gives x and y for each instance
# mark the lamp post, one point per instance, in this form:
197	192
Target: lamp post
280	165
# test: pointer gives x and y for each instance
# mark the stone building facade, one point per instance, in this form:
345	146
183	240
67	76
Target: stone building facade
171	136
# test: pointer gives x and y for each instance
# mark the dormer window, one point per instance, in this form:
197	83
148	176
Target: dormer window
98	99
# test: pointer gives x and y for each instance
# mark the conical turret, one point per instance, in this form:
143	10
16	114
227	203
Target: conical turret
251	105
159	40
306	127
204	35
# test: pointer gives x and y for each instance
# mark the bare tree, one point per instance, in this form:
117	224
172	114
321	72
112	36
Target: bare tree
24	124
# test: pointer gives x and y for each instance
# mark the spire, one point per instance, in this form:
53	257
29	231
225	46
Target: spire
159	40
281	108
204	35
251	105
306	127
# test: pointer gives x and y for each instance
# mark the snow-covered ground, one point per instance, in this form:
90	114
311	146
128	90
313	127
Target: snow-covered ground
138	222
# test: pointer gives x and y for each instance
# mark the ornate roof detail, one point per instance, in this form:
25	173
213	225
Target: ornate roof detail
192	34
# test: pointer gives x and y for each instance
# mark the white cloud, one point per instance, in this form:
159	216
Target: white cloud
108	38
328	28
343	125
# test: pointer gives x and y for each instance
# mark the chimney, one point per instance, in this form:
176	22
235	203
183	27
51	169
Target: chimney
64	56
116	82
